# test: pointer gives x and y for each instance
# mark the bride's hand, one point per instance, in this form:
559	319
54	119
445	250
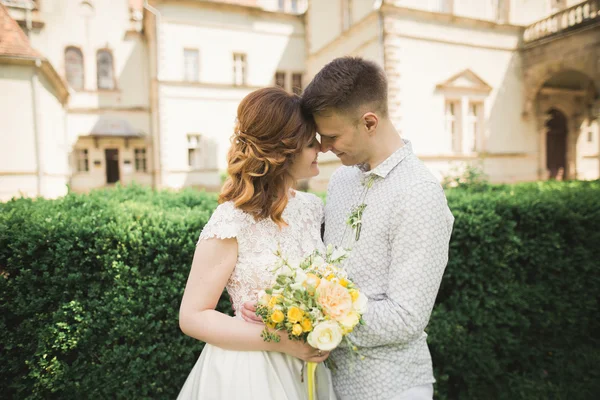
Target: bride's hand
301	350
249	313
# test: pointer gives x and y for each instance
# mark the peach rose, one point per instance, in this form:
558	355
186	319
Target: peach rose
334	299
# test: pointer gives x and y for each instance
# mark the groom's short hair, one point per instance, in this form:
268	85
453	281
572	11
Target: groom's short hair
345	85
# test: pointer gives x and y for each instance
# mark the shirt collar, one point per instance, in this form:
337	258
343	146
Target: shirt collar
383	169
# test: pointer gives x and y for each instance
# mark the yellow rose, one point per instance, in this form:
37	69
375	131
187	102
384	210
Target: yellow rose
306	325
297	330
271	325
354	294
344	282
334	299
273	301
295	314
277	316
330	277
349	322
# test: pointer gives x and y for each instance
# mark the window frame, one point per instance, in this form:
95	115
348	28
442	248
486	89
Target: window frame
244	72
194	161
140	156
196	51
82	156
78	49
112	66
295	88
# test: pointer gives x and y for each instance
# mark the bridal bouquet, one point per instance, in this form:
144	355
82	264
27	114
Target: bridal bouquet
312	300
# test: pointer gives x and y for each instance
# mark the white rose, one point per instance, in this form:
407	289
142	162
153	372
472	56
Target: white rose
297	286
325	336
350	320
360	304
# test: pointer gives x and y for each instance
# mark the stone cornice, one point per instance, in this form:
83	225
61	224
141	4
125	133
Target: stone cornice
238	8
450	18
479	85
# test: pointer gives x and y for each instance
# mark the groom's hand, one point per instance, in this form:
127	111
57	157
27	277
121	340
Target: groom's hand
249	313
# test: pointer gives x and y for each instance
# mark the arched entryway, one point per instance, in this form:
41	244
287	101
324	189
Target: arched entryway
567	126
556	145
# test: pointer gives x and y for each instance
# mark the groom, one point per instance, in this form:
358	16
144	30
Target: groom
399	249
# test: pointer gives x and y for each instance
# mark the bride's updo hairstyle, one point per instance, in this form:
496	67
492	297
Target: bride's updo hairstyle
269	133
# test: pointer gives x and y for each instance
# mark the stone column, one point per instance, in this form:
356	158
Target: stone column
574	130
542	172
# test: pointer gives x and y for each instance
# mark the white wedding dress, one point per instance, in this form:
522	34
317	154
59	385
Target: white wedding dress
221	374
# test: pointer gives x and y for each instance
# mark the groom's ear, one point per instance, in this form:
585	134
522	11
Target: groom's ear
370	121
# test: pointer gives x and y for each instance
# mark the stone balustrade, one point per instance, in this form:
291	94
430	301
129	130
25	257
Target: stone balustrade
570	19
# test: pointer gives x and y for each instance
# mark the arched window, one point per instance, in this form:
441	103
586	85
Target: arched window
74	67
104	61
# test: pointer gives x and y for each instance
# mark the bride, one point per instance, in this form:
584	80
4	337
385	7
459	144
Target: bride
273	146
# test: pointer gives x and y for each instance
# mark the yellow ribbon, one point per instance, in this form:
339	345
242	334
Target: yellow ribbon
311	379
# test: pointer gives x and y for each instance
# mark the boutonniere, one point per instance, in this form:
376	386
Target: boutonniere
355	218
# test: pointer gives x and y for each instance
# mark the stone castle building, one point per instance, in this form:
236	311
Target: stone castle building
96	92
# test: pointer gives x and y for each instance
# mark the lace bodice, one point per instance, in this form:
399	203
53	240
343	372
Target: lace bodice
257	242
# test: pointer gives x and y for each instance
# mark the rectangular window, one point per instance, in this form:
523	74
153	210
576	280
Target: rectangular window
239	69
451	121
474	127
194	150
105	69
590	137
140	160
83	161
74	67
281	5
297	83
294	6
280	79
191	66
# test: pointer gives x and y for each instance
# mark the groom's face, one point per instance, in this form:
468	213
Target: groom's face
342	135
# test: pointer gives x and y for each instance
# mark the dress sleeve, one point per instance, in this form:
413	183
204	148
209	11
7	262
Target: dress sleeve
224	223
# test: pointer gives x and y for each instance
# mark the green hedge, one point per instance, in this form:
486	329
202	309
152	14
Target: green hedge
91	285
517	312
89	307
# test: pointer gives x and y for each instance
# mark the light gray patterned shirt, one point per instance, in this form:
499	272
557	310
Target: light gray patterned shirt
398	263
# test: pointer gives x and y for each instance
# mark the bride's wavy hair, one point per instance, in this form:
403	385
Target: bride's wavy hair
270	131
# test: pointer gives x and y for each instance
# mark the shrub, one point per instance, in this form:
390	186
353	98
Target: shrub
89	303
90	288
516	315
